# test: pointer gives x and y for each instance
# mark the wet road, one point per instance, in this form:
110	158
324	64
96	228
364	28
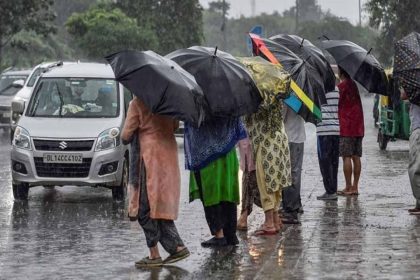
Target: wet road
80	233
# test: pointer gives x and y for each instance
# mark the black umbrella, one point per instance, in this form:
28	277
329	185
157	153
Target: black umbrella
407	65
310	53
160	83
302	72
227	85
359	63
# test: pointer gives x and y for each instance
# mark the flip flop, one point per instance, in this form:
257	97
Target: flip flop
180	255
261	232
342	192
148	262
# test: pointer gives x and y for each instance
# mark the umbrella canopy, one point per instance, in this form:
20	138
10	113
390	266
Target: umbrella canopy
306	82
160	83
272	81
407	65
359	63
227	85
310	53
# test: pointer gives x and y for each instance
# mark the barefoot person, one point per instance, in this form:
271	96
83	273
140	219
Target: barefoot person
352	129
250	193
160	189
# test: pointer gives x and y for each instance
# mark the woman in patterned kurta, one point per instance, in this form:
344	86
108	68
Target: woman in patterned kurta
270	145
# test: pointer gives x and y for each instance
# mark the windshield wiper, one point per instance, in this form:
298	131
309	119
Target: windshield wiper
61	101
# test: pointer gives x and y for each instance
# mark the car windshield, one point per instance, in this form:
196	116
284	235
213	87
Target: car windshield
75	98
6	81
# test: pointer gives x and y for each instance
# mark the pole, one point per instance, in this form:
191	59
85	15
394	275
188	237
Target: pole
297	16
224	25
360	12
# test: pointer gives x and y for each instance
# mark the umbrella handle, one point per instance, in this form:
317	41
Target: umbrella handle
215	51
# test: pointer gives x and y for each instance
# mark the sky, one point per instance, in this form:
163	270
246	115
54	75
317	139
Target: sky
343	8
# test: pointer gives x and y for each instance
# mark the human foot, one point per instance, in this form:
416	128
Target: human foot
343	191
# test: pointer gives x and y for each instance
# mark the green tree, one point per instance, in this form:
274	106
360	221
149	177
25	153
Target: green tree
104	29
395	19
18	15
178	23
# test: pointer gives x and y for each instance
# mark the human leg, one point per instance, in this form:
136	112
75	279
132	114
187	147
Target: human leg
357	168
247	201
230	211
268	202
348	171
414	165
150	228
291	194
323	160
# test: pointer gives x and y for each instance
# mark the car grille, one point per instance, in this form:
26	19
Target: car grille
66	145
4	108
62	170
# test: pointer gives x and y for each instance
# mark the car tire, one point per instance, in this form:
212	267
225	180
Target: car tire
119	192
20	191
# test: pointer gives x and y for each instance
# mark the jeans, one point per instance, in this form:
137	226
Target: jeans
328	156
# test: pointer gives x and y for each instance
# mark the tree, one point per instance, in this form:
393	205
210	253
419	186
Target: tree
18	15
395	19
178	23
104	29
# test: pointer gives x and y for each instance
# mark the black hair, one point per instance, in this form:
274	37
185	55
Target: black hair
343	73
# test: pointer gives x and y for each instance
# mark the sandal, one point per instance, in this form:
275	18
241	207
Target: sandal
262	231
148	262
241	228
180	255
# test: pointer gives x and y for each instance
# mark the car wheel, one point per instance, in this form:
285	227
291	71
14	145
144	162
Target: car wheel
119	192
20	191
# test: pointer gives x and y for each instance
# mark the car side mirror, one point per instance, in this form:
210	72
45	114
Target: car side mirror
18	106
18	83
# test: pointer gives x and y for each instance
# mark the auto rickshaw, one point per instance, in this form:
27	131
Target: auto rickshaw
394	120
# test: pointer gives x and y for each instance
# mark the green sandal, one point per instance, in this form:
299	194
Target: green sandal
184	253
147	262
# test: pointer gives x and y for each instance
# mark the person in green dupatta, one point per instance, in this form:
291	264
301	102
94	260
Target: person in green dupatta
210	154
269	140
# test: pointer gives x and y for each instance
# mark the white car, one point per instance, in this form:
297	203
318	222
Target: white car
27	87
10	83
69	131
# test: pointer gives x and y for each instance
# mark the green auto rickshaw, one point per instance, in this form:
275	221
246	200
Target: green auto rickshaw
393	117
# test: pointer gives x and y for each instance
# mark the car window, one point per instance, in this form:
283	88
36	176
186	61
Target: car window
127	98
6	81
75	98
34	76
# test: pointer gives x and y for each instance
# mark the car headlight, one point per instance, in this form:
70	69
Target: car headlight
21	138
108	139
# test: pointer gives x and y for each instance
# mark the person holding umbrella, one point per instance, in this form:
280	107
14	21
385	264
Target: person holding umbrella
269	140
350	115
210	152
407	73
163	93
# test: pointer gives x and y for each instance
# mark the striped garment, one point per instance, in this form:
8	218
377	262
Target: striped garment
330	124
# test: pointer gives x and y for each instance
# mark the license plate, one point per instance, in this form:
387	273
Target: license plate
63	158
7	115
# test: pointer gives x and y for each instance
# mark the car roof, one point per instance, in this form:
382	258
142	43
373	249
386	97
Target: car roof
81	70
17	72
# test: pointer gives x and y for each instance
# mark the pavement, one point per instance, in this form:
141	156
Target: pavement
80	233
